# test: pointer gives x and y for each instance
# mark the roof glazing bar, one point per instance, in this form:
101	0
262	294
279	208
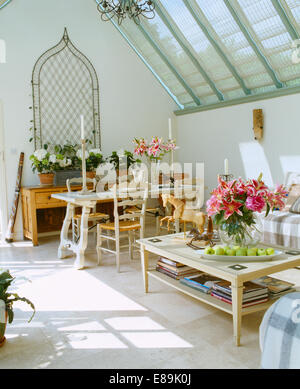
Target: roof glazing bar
217	47
253	44
169	64
285	19
161	12
180	106
4	4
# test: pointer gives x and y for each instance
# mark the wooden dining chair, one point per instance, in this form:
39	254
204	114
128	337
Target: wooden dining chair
124	223
94	217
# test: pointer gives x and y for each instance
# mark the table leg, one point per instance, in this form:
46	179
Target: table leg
83	241
62	249
144	262
237	299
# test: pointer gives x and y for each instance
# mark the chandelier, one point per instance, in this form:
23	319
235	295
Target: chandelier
120	8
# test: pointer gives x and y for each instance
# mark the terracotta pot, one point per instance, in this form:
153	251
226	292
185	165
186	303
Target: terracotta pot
46	178
90	174
2	331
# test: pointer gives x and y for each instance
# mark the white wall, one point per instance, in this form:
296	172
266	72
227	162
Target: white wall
132	102
212	136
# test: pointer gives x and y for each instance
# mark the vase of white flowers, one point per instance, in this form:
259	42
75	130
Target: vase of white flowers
44	163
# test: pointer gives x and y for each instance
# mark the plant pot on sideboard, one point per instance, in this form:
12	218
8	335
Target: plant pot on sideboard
61	176
46	178
91	174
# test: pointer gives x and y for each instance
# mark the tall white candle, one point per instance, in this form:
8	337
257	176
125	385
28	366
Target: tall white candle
226	166
82	126
170	129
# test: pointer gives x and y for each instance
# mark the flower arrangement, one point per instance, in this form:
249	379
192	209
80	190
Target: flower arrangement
233	206
155	150
43	161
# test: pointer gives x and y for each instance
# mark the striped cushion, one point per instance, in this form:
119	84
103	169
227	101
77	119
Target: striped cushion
281	228
295	208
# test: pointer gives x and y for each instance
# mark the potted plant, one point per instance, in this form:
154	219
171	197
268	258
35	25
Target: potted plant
93	158
122	160
6	302
45	164
68	166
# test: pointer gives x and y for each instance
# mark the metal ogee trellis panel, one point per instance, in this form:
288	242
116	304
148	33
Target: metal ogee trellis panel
65	86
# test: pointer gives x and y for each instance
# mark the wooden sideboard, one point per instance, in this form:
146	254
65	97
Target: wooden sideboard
42	213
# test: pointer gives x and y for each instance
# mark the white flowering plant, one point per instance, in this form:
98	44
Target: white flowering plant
93	158
66	156
43	161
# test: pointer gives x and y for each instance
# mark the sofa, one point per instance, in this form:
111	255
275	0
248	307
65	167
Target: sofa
282	228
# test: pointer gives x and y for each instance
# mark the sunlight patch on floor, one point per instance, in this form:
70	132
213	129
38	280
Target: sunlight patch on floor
88	326
95	341
133	323
155	340
73	290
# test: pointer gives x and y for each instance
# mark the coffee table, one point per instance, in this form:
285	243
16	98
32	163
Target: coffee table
173	247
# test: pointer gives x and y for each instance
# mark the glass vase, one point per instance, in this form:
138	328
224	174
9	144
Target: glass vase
241	234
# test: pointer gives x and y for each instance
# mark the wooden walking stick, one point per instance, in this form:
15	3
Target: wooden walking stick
12	218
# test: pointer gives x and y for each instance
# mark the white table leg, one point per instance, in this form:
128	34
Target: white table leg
83	241
237	299
62	249
144	262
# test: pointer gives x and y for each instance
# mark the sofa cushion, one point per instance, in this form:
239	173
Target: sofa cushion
282	229
295	208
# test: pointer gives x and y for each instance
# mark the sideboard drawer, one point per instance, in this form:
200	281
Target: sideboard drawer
44	200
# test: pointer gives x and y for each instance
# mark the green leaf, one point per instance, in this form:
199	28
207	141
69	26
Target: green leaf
10	314
267	210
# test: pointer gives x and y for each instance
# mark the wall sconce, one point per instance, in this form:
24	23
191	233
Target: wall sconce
258	123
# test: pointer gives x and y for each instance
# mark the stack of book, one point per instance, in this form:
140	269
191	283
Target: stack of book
276	287
203	282
174	269
253	293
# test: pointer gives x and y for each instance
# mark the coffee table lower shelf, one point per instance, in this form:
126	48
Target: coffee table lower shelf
206	298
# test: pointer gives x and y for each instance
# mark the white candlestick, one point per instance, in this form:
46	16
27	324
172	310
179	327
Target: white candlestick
170	129
82	126
226	166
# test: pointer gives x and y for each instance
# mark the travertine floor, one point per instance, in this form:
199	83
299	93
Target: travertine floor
98	318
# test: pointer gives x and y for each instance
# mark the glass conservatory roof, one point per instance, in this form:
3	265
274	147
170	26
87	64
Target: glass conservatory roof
210	53
213	53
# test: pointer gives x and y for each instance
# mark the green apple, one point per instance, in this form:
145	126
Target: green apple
241	252
270	251
217	247
225	248
252	252
261	252
209	250
219	251
231	252
236	247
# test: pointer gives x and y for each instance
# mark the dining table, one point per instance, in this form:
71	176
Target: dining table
87	202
